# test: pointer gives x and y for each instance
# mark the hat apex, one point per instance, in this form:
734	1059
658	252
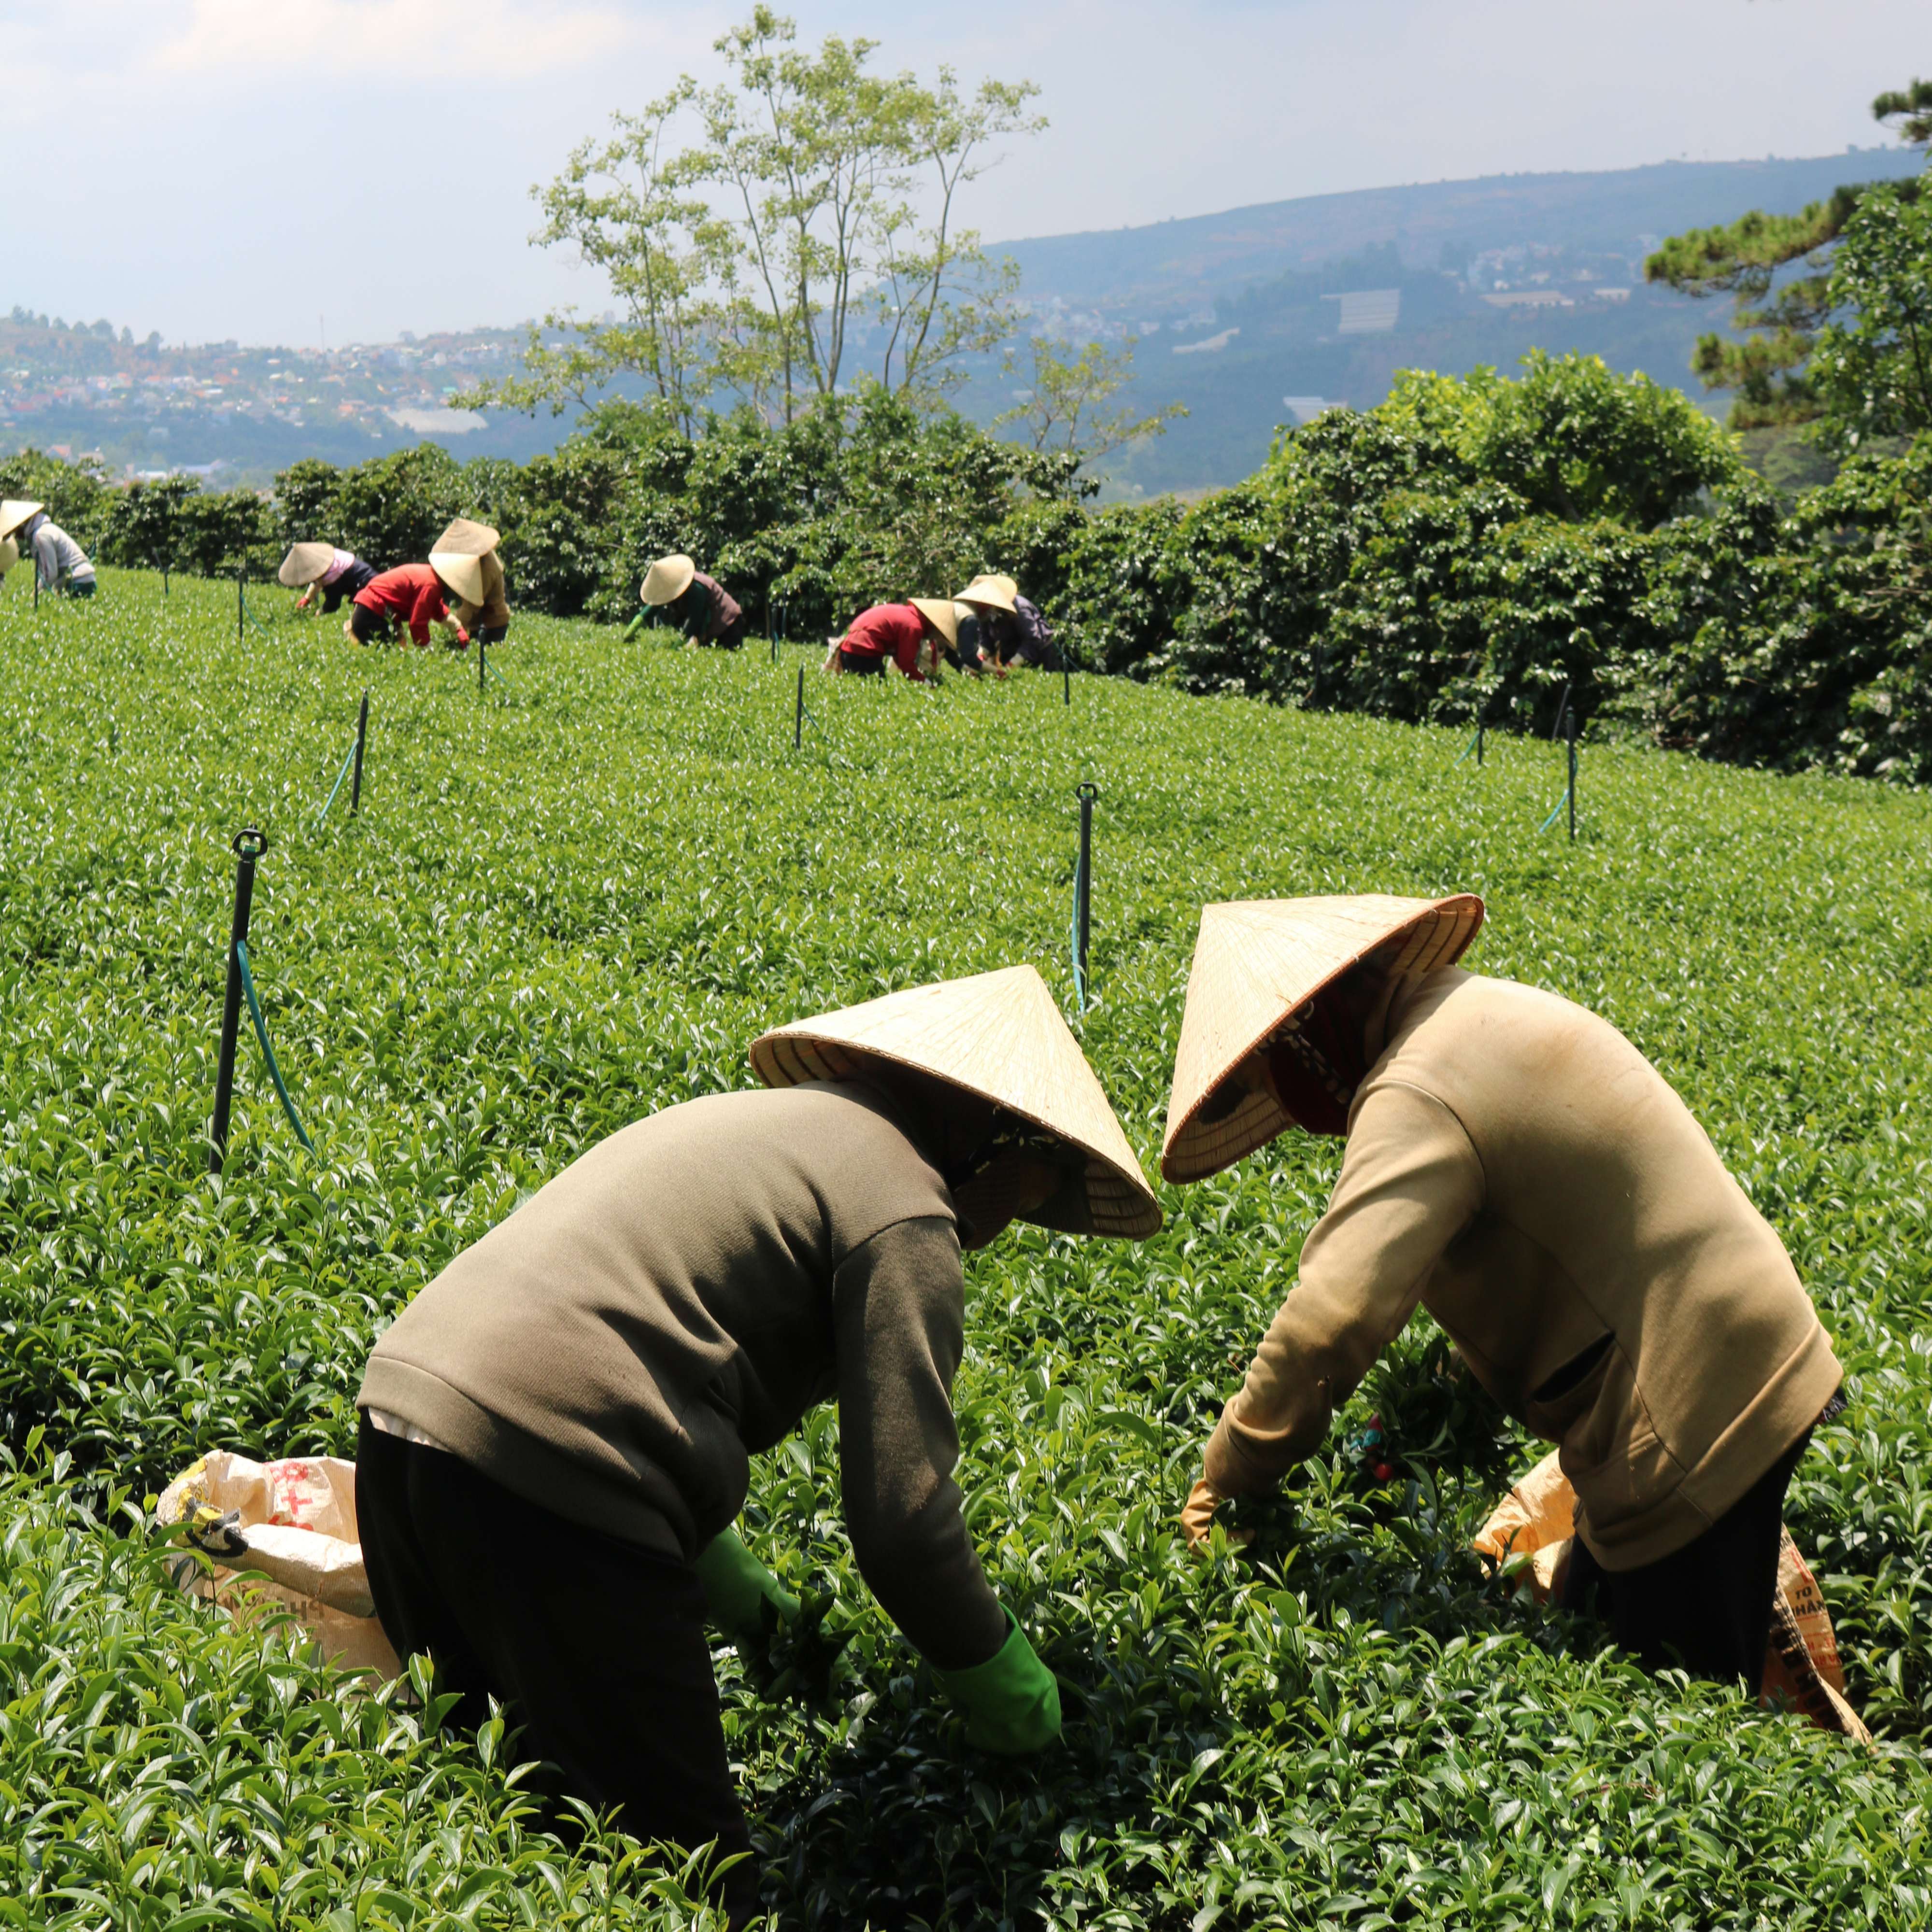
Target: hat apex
465	539
992	590
1257	961
996	1035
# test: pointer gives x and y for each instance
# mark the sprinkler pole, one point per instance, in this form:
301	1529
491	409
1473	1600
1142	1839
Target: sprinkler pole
362	738
249	845
1086	794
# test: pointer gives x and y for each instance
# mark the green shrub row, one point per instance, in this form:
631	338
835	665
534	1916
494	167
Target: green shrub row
1469	549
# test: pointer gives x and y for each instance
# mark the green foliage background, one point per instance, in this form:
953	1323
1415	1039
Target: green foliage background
577	899
1469	548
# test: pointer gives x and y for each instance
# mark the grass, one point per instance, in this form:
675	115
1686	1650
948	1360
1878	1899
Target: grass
578	900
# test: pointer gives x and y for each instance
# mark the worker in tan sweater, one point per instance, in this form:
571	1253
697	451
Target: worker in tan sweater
1515	1166
557	1431
465	557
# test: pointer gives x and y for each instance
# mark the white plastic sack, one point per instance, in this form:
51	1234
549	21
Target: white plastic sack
282	1535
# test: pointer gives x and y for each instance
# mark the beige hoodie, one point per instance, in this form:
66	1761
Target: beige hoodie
1516	1166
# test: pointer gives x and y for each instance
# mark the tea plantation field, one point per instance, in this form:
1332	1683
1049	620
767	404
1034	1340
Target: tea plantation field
579	899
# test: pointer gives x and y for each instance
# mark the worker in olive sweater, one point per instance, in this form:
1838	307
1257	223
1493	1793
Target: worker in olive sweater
1516	1166
556	1431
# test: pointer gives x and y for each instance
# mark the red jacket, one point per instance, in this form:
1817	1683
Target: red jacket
410	593
895	631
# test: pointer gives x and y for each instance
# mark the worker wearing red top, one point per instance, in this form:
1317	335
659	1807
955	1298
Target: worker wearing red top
411	594
911	634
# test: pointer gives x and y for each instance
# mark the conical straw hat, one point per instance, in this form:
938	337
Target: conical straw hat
461	572
938	611
464	538
667	580
305	564
997	1035
14	512
10	554
1256	962
994	592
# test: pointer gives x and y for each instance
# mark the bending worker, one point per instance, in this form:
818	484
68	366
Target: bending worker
415	596
465	557
913	636
698	605
1012	632
556	1431
1516	1166
337	574
60	562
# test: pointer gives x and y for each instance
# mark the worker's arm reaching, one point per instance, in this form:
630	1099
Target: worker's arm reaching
1410	1184
899	1313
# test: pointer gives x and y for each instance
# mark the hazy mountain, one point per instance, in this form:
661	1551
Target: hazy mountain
1254	315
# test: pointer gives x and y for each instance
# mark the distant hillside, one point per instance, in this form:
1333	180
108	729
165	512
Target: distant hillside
1431	225
1255	316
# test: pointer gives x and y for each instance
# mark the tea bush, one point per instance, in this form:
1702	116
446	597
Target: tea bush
578	899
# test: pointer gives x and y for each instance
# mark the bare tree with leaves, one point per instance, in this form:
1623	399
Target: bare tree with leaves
1069	405
758	231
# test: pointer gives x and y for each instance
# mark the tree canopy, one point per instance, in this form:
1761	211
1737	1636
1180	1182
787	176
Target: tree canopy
1843	260
771	238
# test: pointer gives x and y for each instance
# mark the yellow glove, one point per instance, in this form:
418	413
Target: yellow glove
1197	1517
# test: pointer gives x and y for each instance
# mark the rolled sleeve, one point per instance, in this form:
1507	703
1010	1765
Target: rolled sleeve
1411	1182
899	1303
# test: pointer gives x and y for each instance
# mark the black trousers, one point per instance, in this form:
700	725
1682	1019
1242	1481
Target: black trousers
596	1647
1705	1608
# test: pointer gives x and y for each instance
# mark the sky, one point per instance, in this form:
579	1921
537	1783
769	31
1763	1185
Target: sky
309	171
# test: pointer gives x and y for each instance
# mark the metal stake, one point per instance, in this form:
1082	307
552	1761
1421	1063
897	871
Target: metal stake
1480	728
481	647
249	845
799	713
362	738
241	610
1086	794
1562	712
1573	778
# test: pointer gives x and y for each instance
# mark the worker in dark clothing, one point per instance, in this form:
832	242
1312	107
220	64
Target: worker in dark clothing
698	605
556	1433
337	574
465	557
1013	634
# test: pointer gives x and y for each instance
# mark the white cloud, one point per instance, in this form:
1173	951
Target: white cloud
495	40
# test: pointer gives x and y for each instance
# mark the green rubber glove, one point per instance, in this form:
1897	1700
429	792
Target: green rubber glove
1011	1703
738	1587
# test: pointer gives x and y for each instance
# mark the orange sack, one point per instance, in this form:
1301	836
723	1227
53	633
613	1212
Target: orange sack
1528	1536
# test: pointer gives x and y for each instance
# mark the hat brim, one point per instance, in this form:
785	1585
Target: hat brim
16	514
678	573
306	563
1436	933
938	614
997	1037
463	573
